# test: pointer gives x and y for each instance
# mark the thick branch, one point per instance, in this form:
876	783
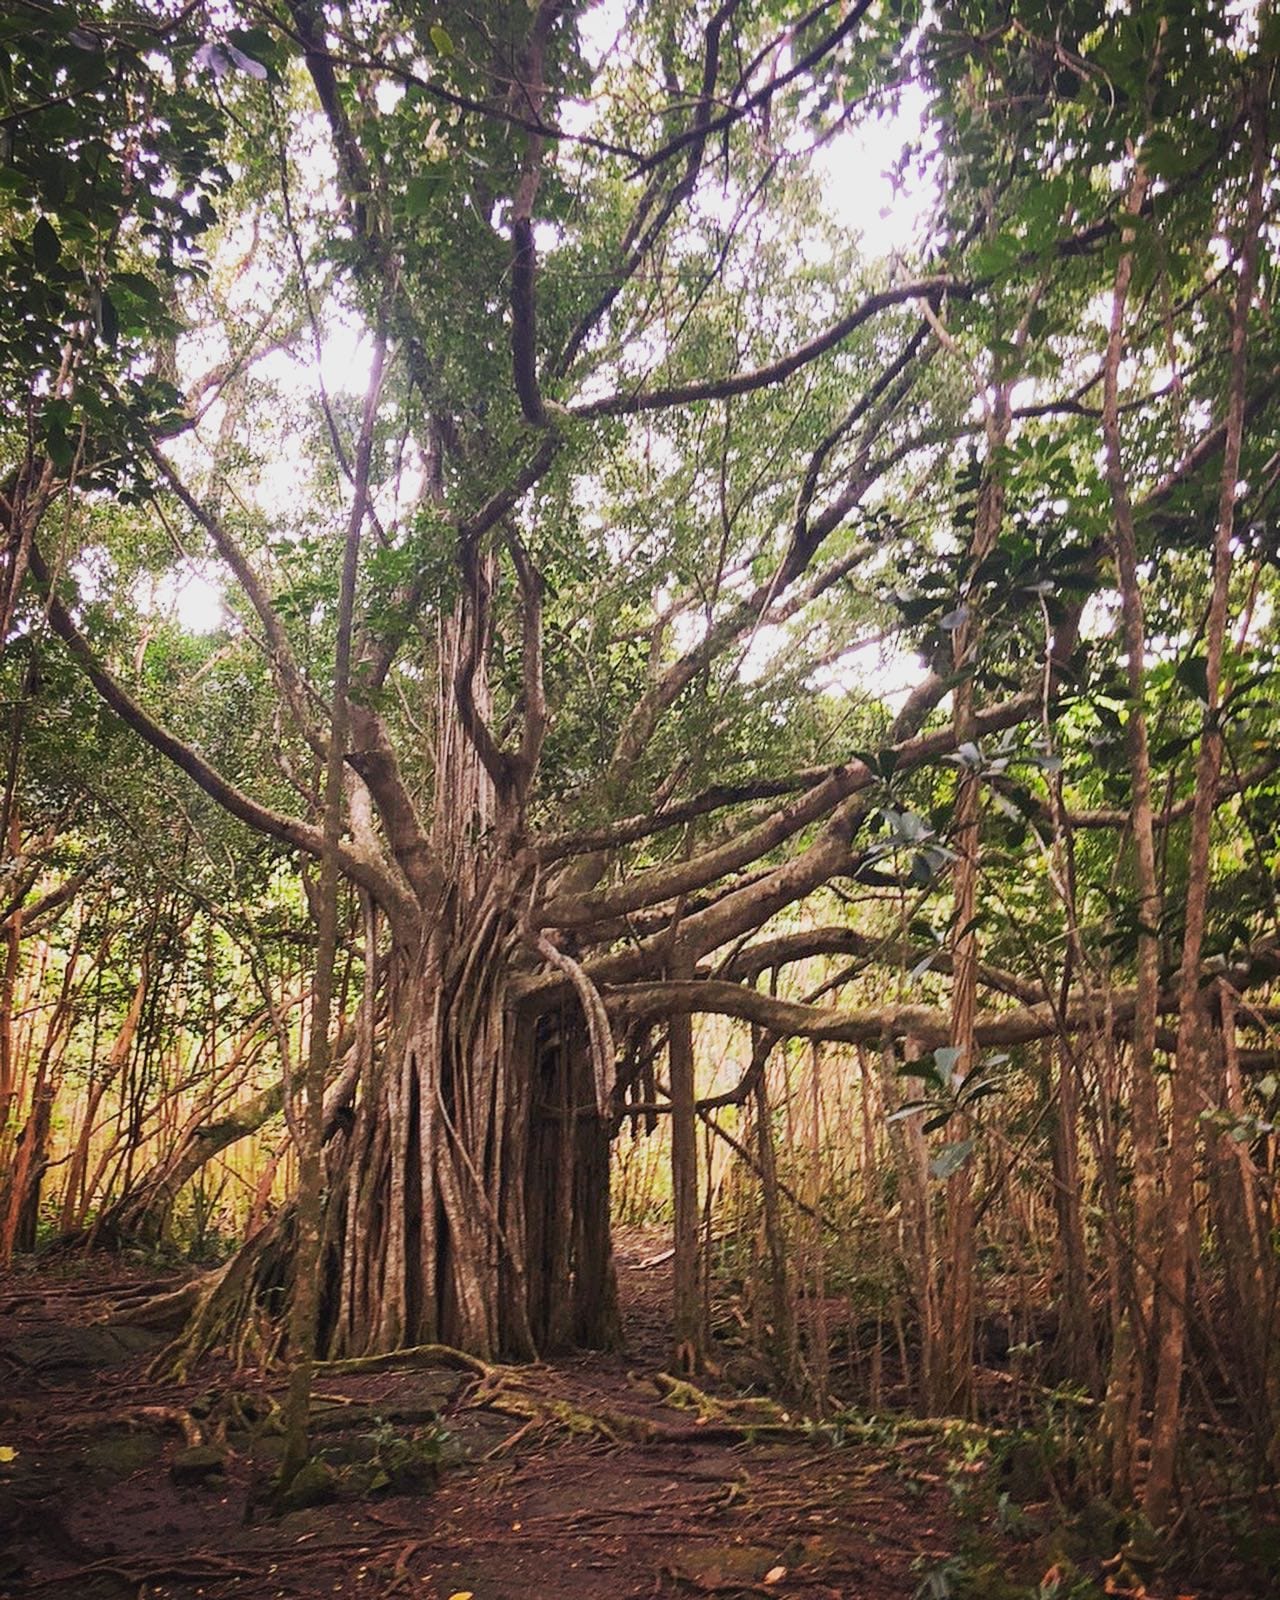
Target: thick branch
753	959
836	785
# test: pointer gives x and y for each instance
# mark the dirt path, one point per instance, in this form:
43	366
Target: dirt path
578	1480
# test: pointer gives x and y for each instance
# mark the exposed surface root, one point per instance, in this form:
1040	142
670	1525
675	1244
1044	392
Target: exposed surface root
441	1475
235	1307
419	1355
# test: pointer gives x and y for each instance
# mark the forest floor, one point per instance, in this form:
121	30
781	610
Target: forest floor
592	1478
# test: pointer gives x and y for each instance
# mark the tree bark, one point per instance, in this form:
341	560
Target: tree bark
1173	1286
1131	1349
687	1328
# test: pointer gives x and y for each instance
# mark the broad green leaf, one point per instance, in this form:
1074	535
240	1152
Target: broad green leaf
1193	674
950	1158
46	246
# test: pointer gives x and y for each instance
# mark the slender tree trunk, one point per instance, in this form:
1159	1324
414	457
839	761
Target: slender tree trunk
304	1318
1077	1349
687	1330
919	1248
75	1197
22	1197
8	988
1243	1238
952	1386
1173	1287
781	1282
1130	1363
819	1332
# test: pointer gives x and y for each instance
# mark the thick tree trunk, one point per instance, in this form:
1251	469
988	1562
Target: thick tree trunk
470	1200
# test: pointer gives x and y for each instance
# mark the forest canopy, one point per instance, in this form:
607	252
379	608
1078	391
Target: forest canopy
508	559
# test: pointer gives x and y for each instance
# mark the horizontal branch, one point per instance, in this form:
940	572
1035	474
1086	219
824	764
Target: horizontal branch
929	1026
621	405
788	948
835	785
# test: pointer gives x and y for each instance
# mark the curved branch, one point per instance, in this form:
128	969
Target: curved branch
297	691
638	238
304	836
836	785
930	1026
624	405
766	92
753	959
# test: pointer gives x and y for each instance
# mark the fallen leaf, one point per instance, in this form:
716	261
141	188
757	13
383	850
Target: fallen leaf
774	1575
8	1453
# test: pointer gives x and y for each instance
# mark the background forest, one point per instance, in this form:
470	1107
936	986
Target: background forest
574	654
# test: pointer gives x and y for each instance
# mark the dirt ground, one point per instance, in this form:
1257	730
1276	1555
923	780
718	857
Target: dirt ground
591	1477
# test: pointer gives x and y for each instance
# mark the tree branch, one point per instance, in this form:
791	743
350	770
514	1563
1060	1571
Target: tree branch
292	831
623	405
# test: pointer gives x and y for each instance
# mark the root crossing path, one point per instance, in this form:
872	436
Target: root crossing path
592	1477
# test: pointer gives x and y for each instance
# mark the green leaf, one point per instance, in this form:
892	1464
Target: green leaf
108	320
423	192
57	439
921	870
1193	674
946	1057
950	1158
922	966
46	246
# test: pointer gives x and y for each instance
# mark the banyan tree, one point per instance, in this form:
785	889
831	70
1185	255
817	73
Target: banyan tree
563	434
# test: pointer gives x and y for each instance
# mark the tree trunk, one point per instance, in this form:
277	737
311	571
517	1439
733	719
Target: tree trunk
1173	1284
919	1241
783	1339
1077	1352
687	1329
1131	1343
75	1195
1237	1192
